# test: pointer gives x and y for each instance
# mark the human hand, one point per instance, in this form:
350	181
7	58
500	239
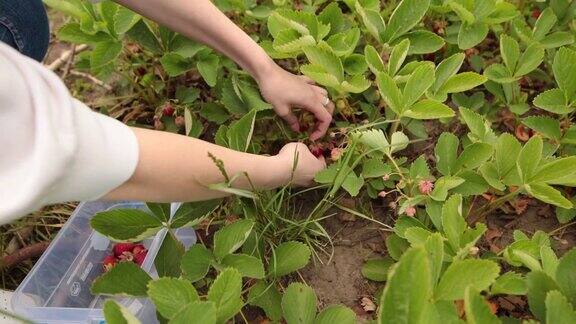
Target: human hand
286	91
300	163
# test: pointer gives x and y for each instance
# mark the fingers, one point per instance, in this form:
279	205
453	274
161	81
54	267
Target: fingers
316	102
324	118
330	107
322	161
323	92
307	79
291	119
323	95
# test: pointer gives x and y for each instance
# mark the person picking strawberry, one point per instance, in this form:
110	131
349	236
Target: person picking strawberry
56	149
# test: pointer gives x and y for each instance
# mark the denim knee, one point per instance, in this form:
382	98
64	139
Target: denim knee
24	26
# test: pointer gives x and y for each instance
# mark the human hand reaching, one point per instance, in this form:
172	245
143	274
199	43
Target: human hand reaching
301	164
202	21
286	91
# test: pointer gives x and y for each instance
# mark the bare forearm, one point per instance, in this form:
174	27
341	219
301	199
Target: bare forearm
202	21
177	168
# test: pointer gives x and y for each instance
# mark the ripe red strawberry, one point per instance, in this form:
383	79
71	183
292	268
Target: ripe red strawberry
535	13
138	248
120	248
109	262
316	150
168	110
139	258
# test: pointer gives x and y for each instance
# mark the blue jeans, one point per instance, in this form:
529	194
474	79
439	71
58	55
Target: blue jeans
24	26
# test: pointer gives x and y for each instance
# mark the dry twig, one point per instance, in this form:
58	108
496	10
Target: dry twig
65	56
23	254
92	79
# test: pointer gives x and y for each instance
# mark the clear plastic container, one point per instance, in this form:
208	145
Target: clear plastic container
57	289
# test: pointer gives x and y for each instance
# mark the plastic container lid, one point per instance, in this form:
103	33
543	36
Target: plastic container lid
57	289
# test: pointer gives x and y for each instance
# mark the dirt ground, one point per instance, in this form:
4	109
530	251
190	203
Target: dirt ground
538	217
339	280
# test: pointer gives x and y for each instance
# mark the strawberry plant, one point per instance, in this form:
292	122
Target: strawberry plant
476	18
453	127
174	294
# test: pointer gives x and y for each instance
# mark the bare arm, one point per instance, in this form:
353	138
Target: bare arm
177	168
202	21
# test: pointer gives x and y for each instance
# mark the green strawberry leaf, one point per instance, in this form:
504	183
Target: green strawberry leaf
565	71
201	312
407	14
548	194
510	283
547	126
510	52
558	309
554	101
267	297
248	265
529	158
373	60
116	313
336	314
429	109
477	309
539	284
171	295
226	293
397	56
453	223
459	275
231	237
408	288
289	257
377	269
196	262
565	275
125	278
423	42
299	304
130	225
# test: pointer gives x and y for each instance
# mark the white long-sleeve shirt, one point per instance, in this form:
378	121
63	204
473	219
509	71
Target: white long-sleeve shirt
53	148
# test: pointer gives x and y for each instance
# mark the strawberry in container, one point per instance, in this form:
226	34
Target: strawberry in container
125	252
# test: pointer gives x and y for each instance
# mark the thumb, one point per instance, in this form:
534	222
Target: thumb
322	161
